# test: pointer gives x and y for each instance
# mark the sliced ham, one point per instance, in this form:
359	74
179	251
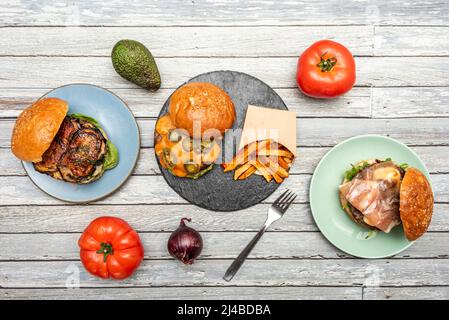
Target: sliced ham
375	193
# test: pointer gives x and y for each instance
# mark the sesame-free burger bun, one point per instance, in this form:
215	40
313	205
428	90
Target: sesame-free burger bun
204	103
416	203
36	128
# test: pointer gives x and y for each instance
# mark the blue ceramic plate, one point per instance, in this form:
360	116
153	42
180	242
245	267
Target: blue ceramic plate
120	126
330	218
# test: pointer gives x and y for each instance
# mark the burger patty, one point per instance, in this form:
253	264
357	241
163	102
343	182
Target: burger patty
76	153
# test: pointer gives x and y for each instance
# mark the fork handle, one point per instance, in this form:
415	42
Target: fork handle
235	266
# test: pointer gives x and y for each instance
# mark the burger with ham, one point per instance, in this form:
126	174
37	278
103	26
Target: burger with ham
188	136
380	194
68	147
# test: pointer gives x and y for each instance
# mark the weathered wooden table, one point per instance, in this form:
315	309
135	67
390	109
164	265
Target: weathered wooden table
401	50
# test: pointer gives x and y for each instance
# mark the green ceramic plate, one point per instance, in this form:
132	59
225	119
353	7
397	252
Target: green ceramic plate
333	222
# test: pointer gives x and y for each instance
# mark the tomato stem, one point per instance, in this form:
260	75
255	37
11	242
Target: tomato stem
328	64
106	249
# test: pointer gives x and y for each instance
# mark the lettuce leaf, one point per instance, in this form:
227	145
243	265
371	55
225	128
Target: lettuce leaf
87	118
351	173
111	157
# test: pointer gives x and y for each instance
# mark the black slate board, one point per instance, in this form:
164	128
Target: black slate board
217	190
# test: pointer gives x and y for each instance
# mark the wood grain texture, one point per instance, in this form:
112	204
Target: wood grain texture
217	245
405	41
154	190
143	103
359	102
225	42
401	50
153	218
137	190
410	102
165	218
254	12
270	41
343	272
323	132
407	293
188	293
22	72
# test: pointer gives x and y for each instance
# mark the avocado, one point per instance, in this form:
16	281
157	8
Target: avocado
134	62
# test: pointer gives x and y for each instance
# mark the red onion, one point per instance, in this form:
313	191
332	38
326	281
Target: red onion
185	243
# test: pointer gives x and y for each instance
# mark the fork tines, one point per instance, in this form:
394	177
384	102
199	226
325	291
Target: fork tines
285	200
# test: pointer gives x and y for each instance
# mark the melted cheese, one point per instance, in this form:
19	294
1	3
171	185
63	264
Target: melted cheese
175	153
391	174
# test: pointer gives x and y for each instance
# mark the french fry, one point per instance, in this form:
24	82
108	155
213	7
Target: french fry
283	163
271	159
276	152
242	169
263	170
277	178
288	160
277	172
248	172
274	174
243	155
290	154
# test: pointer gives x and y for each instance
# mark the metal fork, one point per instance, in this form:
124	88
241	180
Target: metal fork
275	212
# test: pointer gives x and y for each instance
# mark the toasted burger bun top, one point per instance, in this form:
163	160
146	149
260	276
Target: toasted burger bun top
203	103
416	203
36	127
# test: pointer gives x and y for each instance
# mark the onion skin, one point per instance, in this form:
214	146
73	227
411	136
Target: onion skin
185	243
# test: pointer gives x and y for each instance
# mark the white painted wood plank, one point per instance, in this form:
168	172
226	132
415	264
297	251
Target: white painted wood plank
143	103
154	190
22	72
400	71
187	293
224	42
323	132
224	245
137	190
405	41
386	102
305	162
344	272
410	102
184	41
165	218
156	218
390	102
397	71
256	12
217	245
406	293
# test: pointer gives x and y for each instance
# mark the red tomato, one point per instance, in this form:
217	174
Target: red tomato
110	248
326	70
